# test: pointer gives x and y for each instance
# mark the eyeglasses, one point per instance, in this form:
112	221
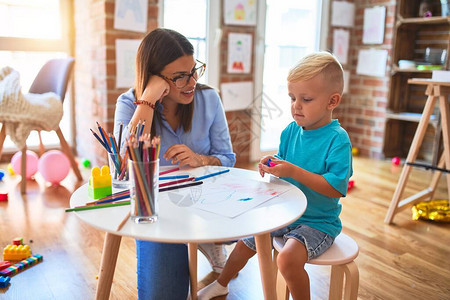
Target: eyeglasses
183	80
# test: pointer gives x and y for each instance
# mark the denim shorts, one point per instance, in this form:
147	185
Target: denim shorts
315	241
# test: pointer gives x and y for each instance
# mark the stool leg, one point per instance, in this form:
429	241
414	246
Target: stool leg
351	281
336	282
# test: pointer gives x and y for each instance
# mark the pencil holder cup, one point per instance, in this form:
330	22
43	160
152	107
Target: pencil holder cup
119	171
144	190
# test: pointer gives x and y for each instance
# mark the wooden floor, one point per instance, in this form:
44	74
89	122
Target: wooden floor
407	260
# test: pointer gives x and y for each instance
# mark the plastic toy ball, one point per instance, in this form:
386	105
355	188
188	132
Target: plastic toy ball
54	166
10	170
395	160
355	151
2	174
86	163
32	163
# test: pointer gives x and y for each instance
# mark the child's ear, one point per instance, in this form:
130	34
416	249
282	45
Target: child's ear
334	101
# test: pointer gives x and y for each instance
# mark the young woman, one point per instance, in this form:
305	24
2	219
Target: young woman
191	122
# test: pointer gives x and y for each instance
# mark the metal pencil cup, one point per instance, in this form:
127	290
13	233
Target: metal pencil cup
119	171
144	190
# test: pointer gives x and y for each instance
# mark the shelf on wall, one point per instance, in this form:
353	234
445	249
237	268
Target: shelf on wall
411	117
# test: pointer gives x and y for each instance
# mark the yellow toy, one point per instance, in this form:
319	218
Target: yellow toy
355	151
100	183
14	252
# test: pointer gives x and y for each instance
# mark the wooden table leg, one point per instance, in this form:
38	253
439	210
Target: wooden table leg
264	250
192	251
108	265
2	137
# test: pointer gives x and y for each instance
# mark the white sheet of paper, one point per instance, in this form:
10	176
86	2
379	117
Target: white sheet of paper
239	53
341	41
342	14
230	196
237	95
125	62
131	15
374	19
346	81
239	12
372	62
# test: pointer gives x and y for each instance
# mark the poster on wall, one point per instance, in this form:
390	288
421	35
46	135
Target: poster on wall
342	14
125	62
131	15
240	12
372	62
237	95
341	40
239	53
374	19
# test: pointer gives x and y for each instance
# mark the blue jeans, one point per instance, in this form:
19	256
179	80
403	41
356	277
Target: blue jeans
162	271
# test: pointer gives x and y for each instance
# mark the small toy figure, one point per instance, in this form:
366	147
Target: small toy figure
395	160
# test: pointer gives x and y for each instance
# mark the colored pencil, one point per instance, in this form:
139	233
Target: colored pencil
88	207
102	133
173	177
176	187
120	136
99	139
123	221
169	171
211	175
176	182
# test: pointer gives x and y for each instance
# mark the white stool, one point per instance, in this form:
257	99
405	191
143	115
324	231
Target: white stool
340	256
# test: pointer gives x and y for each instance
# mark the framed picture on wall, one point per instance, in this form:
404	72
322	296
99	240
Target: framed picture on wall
239	53
240	12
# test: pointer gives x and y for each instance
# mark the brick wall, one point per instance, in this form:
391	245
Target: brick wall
363	110
95	70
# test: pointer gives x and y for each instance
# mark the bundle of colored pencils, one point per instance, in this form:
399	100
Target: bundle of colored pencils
108	141
143	152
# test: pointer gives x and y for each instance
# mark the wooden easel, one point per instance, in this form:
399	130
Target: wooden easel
434	91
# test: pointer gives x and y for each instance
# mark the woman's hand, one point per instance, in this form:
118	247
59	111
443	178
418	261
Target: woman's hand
182	155
156	89
281	168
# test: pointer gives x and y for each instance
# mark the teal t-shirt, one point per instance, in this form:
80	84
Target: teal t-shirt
326	151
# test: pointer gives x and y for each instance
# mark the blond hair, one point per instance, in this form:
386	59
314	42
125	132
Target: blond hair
323	63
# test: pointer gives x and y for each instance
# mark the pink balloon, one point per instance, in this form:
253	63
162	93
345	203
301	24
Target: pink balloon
54	166
32	163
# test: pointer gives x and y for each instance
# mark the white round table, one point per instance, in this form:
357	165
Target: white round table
184	224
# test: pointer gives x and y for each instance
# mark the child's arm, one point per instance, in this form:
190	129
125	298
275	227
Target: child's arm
314	181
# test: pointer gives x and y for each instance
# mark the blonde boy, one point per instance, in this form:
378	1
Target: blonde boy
315	155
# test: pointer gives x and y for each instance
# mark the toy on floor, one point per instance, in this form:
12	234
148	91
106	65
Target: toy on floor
32	163
14	252
11	170
2	175
86	163
54	166
395	160
4	264
351	184
17	241
355	151
4	281
12	270
3	196
100	183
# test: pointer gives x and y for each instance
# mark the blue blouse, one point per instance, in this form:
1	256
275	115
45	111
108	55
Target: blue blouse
209	134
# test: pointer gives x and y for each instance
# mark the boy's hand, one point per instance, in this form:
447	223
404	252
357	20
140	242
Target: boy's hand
281	168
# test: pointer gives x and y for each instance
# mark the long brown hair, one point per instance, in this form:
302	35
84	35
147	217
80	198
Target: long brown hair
158	49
